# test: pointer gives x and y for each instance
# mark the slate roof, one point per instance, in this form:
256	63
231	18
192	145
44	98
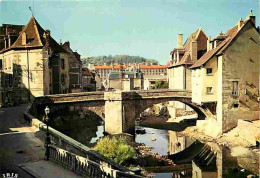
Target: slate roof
231	34
74	56
35	35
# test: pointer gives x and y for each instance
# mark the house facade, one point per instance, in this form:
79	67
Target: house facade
33	64
75	69
182	57
88	80
226	78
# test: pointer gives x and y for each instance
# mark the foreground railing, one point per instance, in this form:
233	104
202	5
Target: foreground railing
84	166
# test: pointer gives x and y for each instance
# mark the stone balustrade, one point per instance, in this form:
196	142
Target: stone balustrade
84	166
63	141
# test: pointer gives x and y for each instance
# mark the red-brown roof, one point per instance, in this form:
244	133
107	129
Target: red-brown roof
36	37
201	39
153	66
231	34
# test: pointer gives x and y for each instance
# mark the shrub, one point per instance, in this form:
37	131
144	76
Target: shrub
116	149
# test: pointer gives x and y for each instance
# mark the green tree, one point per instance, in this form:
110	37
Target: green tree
116	149
160	85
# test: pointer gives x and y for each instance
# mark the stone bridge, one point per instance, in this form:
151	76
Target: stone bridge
123	107
119	109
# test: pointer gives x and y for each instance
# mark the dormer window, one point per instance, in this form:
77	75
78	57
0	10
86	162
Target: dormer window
24	38
209	71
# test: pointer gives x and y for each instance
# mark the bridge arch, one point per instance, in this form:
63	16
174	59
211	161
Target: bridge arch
122	108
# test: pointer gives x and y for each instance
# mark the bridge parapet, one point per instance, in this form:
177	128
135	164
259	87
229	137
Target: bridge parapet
142	94
75	97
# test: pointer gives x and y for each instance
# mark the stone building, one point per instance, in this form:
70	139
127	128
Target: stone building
75	69
226	78
33	64
151	73
179	74
88	80
130	79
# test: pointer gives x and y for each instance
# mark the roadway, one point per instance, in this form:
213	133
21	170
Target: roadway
18	143
20	148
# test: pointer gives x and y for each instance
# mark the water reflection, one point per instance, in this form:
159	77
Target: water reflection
99	134
206	160
155	138
178	142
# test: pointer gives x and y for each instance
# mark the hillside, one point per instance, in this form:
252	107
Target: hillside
125	59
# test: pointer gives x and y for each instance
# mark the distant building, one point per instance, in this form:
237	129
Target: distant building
130	79
75	69
151	73
88	80
226	78
33	63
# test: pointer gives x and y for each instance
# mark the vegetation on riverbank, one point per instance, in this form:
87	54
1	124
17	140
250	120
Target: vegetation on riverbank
116	149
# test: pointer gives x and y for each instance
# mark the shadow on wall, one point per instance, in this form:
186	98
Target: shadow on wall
12	90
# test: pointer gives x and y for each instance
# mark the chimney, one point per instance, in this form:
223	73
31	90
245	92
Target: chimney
194	51
239	23
47	36
48	33
180	41
251	17
177	57
24	38
68	43
208	44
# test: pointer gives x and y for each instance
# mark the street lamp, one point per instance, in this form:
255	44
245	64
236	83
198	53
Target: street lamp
48	139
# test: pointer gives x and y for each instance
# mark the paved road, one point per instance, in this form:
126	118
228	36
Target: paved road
17	147
20	148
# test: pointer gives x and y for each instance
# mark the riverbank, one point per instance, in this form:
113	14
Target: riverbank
242	142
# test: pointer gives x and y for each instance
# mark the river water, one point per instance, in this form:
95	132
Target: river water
216	160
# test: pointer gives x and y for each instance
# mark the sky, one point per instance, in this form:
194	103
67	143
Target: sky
146	28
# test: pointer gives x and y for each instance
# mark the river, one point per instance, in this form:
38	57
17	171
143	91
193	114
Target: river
216	160
198	159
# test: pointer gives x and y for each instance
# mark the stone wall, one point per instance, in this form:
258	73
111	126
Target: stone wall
241	64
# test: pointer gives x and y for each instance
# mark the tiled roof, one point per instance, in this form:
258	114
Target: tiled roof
153	66
35	36
201	45
86	71
231	34
74	56
109	67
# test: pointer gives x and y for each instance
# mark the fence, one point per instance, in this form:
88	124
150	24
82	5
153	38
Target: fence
84	166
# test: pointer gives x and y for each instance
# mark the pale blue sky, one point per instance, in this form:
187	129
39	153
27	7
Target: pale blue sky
146	28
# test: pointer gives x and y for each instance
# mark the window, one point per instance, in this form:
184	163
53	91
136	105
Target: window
209	71
1	63
235	88
10	76
209	90
63	79
62	63
152	82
